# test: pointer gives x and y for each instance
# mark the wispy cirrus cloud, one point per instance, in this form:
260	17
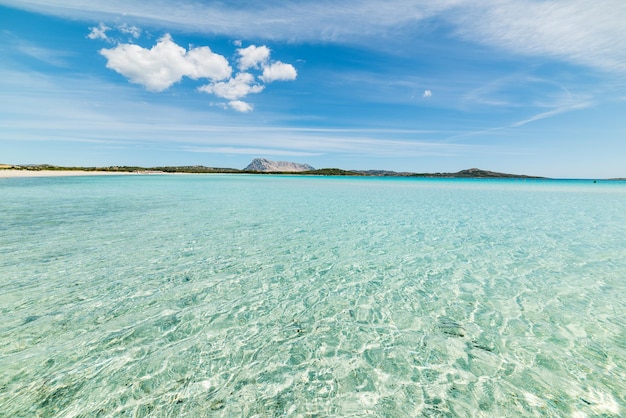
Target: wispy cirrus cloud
72	116
551	113
252	151
583	32
51	56
557	107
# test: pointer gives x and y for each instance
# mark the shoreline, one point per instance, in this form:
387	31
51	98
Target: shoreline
62	172
12	173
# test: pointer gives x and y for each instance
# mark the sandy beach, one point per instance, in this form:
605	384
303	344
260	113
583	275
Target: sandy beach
8	173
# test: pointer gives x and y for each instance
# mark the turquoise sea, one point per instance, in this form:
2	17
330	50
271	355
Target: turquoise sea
251	295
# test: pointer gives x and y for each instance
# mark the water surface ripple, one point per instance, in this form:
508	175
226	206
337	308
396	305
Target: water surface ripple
236	295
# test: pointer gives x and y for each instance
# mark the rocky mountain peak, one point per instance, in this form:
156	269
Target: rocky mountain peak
265	165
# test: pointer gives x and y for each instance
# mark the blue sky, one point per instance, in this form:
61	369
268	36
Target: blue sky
521	86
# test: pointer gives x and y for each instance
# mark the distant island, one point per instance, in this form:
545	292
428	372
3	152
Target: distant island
265	166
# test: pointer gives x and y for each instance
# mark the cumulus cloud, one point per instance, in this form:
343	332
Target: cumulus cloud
133	31
253	56
240	106
99	32
244	83
165	63
427	94
278	71
235	88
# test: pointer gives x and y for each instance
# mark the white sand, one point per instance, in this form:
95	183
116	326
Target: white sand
56	173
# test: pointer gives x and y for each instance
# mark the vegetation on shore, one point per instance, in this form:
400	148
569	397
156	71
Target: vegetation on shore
199	169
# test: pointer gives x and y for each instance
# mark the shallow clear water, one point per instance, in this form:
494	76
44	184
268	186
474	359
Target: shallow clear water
234	295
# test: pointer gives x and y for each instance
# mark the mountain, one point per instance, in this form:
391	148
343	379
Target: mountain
475	173
478	173
262	165
269	166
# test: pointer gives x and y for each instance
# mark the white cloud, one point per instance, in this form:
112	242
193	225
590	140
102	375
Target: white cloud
587	32
165	63
235	88
244	83
99	32
325	20
133	31
69	115
278	71
251	151
253	56
54	57
240	106
553	112
427	94
207	64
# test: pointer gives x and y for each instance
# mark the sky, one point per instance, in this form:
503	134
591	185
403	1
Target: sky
533	87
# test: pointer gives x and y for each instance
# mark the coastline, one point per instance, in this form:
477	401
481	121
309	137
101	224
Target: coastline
12	173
